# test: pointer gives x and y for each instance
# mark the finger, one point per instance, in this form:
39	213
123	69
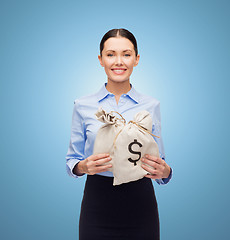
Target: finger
151	176
155	159
150	162
157	166
149	169
102	161
98	156
102	168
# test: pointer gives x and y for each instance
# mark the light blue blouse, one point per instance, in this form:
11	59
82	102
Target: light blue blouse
85	125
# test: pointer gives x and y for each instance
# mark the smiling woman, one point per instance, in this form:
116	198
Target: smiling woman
127	211
119	57
118	60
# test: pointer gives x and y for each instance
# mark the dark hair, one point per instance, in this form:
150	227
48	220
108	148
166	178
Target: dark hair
116	33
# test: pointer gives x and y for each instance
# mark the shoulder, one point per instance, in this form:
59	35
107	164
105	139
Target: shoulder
143	98
85	100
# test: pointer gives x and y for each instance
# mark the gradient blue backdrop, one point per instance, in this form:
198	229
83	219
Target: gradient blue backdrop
49	58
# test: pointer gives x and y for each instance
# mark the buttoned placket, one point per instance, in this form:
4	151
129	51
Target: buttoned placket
117	106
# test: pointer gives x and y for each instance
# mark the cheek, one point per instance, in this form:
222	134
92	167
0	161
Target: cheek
129	63
130	67
108	63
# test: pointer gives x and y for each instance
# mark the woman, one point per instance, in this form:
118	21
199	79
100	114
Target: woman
127	211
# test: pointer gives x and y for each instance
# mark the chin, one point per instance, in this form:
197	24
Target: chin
119	80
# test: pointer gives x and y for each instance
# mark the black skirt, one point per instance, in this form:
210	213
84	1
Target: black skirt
124	212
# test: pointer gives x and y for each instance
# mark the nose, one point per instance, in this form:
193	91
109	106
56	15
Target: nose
118	60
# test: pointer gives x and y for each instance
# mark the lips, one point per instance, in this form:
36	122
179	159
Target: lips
118	70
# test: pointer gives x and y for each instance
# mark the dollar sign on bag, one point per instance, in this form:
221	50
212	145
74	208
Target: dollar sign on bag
134	152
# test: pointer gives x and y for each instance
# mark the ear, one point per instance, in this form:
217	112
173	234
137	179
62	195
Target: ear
100	60
137	60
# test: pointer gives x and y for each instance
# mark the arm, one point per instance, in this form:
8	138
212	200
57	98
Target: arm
76	148
76	163
163	172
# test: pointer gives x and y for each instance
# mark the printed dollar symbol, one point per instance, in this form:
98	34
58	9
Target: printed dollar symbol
138	153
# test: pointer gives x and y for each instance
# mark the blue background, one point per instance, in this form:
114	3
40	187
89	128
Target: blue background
49	58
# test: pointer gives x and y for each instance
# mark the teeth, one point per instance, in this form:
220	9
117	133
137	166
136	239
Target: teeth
118	71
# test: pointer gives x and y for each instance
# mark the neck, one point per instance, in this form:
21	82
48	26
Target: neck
118	88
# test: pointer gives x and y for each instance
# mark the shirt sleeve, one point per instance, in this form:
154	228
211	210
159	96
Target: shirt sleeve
76	148
156	130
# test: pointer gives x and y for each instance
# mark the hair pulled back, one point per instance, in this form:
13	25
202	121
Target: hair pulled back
121	32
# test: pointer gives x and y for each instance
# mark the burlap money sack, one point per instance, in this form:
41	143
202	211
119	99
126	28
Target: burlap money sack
104	142
126	143
132	143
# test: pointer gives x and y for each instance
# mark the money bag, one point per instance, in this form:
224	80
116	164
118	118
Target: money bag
132	143
126	143
104	142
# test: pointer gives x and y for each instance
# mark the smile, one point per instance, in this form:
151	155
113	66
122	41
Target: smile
118	71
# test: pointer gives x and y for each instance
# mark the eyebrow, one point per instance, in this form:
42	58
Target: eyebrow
122	51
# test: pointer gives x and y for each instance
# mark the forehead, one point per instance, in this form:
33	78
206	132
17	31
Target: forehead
118	44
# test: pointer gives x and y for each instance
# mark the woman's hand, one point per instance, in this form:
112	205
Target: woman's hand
159	168
93	164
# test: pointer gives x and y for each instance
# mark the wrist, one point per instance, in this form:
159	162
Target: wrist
79	168
167	172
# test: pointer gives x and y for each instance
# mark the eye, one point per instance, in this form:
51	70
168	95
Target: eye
109	54
127	55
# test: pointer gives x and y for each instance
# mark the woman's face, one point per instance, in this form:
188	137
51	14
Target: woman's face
118	58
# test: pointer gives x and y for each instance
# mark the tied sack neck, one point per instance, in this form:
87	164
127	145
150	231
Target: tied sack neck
142	120
108	118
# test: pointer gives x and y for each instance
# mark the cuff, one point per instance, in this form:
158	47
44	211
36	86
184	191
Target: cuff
70	164
163	181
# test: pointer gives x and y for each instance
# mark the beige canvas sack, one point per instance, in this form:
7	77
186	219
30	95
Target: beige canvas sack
104	142
126	143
